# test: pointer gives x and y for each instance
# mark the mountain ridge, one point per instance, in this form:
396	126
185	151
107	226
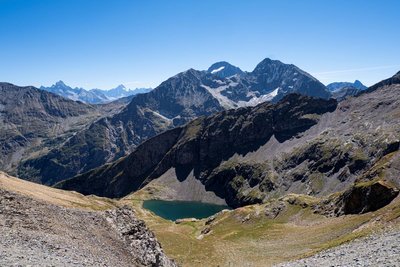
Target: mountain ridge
30	117
298	145
174	102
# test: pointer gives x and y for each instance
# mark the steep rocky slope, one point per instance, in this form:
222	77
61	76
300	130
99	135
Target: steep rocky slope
203	145
249	155
30	118
173	103
38	232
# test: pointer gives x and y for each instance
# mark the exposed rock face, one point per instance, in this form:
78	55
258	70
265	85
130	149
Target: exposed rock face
41	234
202	146
178	100
365	197
140	241
30	118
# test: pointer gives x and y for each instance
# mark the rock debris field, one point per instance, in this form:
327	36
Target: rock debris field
381	249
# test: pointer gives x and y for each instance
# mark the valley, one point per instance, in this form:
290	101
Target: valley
155	133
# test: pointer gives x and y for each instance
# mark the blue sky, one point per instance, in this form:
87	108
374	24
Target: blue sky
99	43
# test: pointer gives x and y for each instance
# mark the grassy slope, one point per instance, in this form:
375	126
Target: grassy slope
54	196
297	232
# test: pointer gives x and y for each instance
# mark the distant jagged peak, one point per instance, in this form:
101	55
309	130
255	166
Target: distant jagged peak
120	87
60	83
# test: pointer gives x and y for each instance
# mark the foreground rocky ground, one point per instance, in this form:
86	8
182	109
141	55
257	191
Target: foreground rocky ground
36	233
381	249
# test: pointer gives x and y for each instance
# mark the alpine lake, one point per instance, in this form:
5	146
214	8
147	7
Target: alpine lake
174	210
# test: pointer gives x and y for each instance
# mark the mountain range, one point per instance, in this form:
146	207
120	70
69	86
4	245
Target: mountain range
93	96
299	145
175	102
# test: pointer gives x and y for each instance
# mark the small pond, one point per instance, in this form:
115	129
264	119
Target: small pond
173	210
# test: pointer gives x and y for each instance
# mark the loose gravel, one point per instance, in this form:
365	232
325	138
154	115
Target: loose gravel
380	249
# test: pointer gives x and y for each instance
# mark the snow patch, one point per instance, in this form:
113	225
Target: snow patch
159	115
217	70
262	98
216	93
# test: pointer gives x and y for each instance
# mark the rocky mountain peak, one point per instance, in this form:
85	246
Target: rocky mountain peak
357	83
266	65
274	76
190	75
121	87
224	69
60	83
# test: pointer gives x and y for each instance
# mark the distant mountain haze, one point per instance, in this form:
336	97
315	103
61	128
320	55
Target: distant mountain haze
93	96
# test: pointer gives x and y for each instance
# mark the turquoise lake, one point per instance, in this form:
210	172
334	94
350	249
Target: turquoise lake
173	210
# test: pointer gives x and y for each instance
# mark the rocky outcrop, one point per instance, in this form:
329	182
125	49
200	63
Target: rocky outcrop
365	197
140	241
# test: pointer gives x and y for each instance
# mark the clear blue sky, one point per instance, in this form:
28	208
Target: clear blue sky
99	43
